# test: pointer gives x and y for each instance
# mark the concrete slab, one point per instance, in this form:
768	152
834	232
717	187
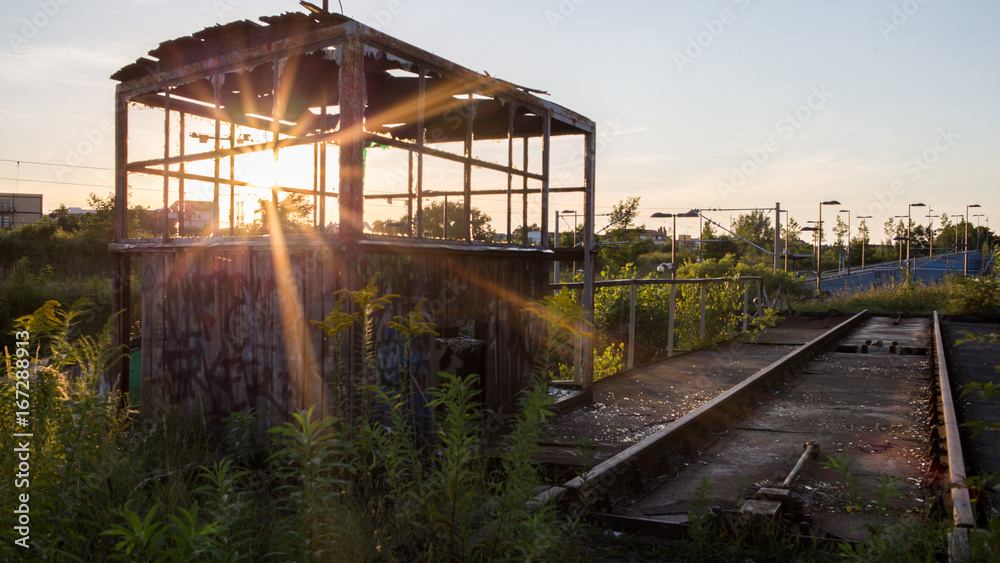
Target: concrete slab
873	408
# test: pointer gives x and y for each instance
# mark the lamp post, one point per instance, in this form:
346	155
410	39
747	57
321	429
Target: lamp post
819	245
978	232
930	232
815	231
864	236
673	235
909	223
900	239
966	269
787	234
848	211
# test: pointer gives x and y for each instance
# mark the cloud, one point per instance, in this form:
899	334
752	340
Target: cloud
60	65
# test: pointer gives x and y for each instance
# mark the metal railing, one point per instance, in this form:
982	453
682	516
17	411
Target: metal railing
633	285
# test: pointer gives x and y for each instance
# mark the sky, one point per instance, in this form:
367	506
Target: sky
724	104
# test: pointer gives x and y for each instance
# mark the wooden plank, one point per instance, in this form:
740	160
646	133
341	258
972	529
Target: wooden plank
237	335
152	331
352	83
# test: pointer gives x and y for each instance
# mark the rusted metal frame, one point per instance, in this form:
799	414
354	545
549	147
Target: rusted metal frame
546	155
121	279
439	193
510	164
217	161
244	58
470	119
121	158
315	186
232	176
589	266
444	218
406	145
225	181
524	200
278	102
305	241
962	511
626	460
166	154
181	131
352	88
321	157
421	100
409	193
207	112
486	85
334	136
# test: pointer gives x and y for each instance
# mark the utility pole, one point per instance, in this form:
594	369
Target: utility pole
777	233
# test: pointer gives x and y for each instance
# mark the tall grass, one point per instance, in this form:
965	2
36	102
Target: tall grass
112	484
957	295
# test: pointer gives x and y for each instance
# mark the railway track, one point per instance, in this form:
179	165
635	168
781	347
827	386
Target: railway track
863	390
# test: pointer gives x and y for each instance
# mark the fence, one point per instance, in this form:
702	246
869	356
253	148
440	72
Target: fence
703	284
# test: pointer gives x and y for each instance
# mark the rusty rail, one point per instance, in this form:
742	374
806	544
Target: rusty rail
962	512
625	461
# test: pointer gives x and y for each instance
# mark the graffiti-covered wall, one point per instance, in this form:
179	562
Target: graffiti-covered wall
227	327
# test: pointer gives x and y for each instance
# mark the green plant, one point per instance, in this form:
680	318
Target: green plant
844	466
305	463
610	361
701	518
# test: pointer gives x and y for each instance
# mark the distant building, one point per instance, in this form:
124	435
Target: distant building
655	236
198	218
685	241
19	209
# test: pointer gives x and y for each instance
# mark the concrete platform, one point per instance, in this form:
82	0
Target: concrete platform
871	406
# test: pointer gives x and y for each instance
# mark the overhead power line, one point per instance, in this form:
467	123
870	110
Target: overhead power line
54	164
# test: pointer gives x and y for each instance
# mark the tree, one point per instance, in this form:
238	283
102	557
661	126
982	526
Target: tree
294	213
841	231
621	244
755	227
100	224
433	223
64	219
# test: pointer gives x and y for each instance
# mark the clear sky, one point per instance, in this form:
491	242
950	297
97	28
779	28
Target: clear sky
701	104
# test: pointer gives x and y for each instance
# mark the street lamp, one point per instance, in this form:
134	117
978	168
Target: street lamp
819	245
814	230
900	239
787	234
966	271
909	222
848	211
978	232
930	232
864	237
673	235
